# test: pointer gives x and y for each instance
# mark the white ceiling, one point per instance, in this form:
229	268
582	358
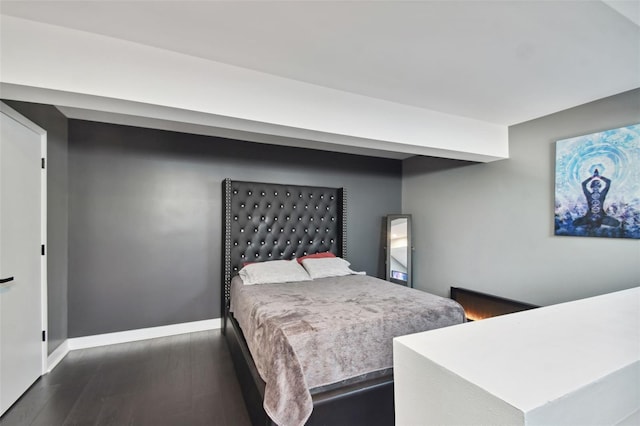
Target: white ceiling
502	62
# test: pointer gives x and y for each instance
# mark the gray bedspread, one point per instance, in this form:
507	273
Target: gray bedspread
310	334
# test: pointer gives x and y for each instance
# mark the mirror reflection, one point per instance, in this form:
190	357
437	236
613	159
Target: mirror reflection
398	264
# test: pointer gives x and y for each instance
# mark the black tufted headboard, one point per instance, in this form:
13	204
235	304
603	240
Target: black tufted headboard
264	221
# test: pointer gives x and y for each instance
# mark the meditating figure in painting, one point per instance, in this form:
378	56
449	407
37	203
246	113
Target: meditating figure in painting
595	193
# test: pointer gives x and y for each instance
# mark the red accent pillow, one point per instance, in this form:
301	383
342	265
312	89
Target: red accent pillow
316	256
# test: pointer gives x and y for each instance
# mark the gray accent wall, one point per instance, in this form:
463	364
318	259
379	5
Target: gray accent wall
145	218
56	125
489	227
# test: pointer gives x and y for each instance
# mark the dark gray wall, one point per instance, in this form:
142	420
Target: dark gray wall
490	227
56	125
145	215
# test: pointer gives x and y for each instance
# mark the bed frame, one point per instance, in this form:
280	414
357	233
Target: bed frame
263	221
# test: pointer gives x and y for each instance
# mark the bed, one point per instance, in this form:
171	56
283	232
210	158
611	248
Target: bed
324	362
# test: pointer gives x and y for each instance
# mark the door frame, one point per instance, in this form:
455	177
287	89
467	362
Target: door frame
15	115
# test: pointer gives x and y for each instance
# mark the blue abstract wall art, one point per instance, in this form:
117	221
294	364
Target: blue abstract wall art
598	184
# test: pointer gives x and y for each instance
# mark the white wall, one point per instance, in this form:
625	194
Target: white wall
575	363
490	227
80	69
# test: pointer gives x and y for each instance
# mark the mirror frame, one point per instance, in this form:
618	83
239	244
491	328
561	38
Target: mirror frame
390	218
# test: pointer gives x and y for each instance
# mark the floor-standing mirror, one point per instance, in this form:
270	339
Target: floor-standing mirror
399	249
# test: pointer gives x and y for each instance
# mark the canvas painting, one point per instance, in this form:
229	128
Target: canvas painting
598	184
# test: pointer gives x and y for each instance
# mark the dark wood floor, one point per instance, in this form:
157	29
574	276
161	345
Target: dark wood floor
179	380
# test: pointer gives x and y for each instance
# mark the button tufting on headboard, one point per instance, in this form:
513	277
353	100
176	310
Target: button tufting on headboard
279	222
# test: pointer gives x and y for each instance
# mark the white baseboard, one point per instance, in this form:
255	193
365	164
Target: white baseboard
128	336
142	334
57	355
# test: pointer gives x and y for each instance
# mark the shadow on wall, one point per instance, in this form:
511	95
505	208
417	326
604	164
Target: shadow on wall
418	165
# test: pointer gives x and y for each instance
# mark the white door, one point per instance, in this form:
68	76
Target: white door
20	258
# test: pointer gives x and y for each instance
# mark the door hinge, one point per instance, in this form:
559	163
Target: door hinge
44	161
44	336
42	249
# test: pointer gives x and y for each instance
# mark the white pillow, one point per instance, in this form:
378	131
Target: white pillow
274	271
328	267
